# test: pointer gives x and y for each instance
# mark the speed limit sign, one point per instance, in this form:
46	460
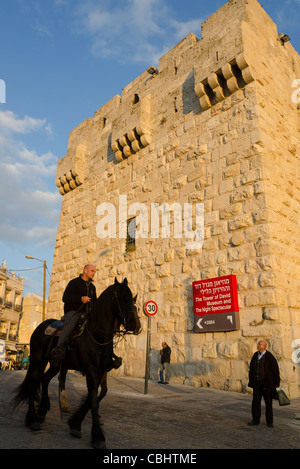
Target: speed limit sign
150	308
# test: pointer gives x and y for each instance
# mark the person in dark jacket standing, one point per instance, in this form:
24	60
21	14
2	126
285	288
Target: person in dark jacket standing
163	370
264	378
78	298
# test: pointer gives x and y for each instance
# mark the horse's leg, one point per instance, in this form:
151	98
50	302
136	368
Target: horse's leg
63	399
28	390
103	385
74	422
91	402
98	438
103	393
31	419
44	405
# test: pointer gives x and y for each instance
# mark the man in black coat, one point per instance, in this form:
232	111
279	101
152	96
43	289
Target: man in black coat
264	378
163	371
78	298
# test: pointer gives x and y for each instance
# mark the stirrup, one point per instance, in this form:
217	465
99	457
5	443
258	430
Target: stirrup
114	364
117	362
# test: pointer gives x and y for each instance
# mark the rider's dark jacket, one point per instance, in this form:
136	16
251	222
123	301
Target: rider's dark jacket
77	288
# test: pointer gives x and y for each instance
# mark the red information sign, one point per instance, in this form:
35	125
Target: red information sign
216	304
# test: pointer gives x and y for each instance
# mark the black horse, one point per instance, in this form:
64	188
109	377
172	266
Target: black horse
89	353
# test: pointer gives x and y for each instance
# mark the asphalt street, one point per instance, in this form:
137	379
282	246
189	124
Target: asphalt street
169	417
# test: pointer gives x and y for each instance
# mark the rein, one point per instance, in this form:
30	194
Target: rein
94	340
118	332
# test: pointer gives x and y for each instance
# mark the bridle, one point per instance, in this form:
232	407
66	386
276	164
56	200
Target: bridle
118	332
122	315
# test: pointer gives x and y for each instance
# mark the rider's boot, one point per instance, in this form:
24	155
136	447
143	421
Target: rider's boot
57	355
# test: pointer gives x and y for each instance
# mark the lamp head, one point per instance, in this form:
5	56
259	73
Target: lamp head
152	70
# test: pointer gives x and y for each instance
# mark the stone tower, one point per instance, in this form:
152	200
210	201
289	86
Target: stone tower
218	125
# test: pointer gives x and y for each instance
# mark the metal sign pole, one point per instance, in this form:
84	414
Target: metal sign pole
150	308
147	355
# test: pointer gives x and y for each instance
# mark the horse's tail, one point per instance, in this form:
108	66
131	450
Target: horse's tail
27	389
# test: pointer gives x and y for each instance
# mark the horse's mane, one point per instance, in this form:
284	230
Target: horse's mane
104	299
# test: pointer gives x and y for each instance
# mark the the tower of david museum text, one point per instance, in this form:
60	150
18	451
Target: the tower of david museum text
187	184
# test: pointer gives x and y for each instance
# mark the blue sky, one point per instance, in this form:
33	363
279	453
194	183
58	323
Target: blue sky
61	60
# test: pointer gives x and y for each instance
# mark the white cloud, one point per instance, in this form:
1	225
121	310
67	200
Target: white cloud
182	29
9	123
42	30
132	30
29	209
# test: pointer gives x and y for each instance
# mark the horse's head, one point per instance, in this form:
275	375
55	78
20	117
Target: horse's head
126	307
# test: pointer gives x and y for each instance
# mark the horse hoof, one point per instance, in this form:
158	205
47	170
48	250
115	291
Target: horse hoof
99	444
64	404
65	410
35	426
76	433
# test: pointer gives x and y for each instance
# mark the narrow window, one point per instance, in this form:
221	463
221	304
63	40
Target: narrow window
174	104
131	234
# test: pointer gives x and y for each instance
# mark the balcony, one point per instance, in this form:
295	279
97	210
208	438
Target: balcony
10	305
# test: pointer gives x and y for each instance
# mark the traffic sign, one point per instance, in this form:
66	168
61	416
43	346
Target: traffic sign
220	322
150	308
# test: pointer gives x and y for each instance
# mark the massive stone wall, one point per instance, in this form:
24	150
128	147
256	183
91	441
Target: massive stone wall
214	125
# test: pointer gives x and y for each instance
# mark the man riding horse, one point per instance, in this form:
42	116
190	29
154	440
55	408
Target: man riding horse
91	354
78	298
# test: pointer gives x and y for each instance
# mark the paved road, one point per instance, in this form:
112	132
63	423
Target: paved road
168	417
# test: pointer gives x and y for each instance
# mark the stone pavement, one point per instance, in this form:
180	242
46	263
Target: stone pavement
168	417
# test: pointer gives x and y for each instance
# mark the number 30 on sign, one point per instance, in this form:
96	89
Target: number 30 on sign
150	308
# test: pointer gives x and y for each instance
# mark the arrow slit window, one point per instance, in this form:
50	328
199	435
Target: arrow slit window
131	234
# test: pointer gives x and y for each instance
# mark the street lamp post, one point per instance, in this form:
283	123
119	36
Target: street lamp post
44	284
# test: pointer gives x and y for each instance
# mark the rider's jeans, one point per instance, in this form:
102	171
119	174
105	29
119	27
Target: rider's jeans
70	320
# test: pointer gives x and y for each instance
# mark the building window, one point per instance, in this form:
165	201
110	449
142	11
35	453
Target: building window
3	330
131	234
12	331
8	298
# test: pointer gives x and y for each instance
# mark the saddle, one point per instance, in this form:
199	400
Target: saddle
54	329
